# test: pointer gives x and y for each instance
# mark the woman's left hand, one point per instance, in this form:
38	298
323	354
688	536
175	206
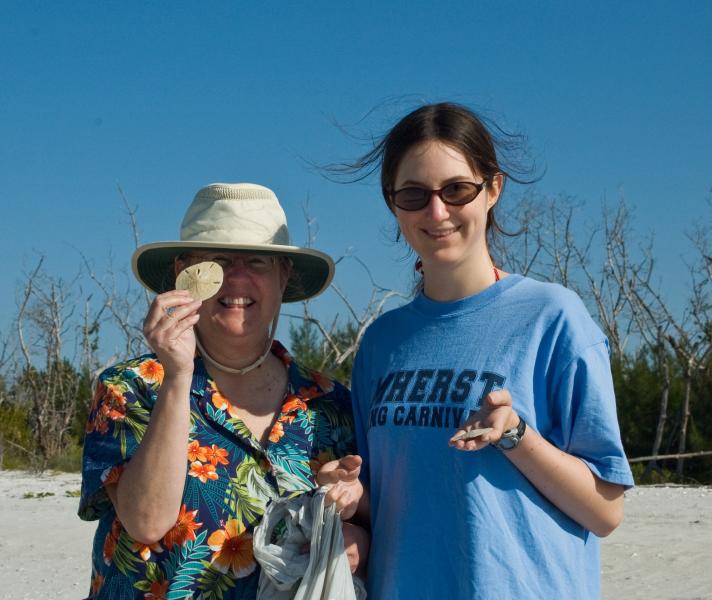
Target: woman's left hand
356	544
495	412
345	488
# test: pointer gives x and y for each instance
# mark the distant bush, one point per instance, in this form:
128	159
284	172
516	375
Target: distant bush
16	445
68	462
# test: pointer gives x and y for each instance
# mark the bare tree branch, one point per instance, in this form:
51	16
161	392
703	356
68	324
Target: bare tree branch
131	212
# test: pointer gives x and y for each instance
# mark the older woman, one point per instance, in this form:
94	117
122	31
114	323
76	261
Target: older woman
186	447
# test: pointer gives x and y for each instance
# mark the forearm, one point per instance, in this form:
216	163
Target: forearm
148	495
362	516
568	483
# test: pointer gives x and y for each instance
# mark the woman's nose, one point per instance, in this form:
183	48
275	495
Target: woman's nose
438	210
235	268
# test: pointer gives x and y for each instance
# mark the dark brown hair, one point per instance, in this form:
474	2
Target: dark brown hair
454	125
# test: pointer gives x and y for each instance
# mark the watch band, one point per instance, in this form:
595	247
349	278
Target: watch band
510	439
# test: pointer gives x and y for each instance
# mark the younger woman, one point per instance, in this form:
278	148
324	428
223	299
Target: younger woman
517	511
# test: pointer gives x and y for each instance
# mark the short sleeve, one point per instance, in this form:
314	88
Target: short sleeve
118	418
588	423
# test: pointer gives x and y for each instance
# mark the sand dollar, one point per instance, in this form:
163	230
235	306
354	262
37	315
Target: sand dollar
202	280
472	434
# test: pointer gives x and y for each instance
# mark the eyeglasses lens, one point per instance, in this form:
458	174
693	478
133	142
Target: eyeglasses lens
412	198
257	264
460	192
457	194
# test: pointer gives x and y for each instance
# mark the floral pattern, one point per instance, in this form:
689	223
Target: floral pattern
230	479
232	549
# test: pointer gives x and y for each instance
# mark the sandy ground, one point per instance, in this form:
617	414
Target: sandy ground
663	550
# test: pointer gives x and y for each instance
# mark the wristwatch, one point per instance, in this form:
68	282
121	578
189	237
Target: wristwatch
511	438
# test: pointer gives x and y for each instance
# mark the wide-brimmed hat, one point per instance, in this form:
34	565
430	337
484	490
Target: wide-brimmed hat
235	216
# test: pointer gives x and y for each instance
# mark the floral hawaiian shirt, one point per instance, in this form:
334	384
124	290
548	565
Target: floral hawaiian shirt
230	479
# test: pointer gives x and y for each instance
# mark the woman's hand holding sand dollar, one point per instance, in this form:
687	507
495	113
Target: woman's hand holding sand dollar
494	417
168	328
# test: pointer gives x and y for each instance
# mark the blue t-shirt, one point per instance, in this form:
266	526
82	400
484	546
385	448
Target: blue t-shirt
453	524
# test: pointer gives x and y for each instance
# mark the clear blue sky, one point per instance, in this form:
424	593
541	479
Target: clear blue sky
164	97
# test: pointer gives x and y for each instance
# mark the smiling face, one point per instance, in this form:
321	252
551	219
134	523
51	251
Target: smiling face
443	235
248	300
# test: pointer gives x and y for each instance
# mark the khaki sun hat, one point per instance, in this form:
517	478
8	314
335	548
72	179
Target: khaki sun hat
235	216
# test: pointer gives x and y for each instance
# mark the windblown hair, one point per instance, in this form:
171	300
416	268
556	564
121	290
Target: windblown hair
481	142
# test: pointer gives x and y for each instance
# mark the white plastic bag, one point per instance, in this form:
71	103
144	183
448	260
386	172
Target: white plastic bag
289	574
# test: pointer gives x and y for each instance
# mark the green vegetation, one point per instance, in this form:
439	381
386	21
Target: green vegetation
639	386
661	356
42	418
638	383
29	495
313	351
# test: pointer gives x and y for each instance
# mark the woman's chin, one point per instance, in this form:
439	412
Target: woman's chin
441	260
231	328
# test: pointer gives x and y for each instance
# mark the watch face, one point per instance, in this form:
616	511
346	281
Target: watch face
511	438
507	443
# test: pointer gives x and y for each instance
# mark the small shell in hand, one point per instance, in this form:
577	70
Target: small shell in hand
202	280
472	434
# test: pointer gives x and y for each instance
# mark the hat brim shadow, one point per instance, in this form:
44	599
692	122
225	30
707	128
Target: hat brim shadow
312	271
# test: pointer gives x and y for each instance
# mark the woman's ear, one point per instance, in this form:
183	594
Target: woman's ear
494	189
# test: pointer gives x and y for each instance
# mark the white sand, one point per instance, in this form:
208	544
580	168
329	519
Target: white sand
663	550
45	548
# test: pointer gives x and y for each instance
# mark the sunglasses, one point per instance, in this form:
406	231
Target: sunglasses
458	193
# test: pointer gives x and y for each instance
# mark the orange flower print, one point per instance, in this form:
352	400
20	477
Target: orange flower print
98	394
265	465
152	371
203	471
116	528
114	396
219	401
116	412
277	432
183	530
216	455
158	590
309	393
111	541
232	549
96	582
281	353
222	403
112	475
111	406
144	550
325	384
287	418
293	403
196	452
98	424
110	544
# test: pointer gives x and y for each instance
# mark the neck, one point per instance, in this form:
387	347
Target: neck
224	361
445	283
259	392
